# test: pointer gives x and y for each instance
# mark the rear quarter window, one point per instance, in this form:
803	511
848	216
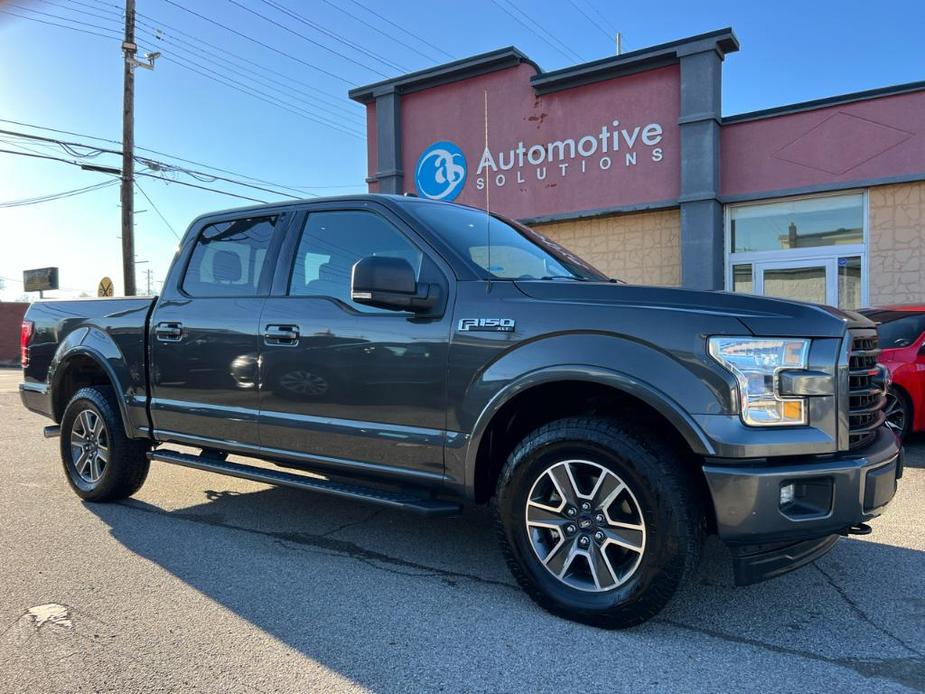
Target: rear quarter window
230	258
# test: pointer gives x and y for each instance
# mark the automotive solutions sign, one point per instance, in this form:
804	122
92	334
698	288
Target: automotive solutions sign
441	169
592	147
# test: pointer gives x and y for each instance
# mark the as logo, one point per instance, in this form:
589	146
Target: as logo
440	173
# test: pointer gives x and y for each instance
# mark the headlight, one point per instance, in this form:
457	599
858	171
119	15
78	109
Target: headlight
755	362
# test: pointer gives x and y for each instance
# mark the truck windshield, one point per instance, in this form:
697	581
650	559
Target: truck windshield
500	248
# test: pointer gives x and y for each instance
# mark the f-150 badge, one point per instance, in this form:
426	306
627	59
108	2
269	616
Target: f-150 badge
490	325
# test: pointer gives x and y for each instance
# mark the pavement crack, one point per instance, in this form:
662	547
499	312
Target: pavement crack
380	560
353	524
909	672
862	614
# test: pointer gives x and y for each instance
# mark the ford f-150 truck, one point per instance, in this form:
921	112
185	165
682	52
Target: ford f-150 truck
419	354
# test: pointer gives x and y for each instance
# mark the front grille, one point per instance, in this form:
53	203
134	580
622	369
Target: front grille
866	398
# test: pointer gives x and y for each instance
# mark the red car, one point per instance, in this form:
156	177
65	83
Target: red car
902	341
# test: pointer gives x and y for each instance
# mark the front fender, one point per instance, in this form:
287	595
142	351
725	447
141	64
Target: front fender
675	385
97	345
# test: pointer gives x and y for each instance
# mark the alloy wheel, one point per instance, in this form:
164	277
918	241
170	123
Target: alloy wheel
585	525
895	412
89	445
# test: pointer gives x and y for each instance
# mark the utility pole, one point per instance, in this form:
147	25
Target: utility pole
127	197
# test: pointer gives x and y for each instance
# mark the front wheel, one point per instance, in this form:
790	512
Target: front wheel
100	461
599	522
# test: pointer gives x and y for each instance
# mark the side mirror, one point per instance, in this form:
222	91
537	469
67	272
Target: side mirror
389	283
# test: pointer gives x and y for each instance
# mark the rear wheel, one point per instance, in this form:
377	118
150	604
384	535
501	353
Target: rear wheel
101	462
599	523
898	412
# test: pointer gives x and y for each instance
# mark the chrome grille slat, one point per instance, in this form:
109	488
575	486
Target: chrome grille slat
865	395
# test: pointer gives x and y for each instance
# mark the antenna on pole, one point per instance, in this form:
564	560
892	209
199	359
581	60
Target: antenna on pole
619	43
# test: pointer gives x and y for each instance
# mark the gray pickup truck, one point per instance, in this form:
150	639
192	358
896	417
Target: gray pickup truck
419	355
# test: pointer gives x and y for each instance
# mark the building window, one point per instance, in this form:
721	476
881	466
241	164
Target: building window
811	248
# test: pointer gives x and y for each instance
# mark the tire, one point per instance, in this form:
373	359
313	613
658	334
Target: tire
898	412
121	466
659	513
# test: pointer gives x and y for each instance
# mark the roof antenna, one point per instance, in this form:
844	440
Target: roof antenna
487	191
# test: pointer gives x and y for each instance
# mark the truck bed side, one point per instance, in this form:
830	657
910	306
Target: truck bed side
76	343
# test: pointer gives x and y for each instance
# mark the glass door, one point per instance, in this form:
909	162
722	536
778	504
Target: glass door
801	280
832	280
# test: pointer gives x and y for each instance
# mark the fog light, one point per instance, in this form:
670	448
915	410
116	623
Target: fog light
786	494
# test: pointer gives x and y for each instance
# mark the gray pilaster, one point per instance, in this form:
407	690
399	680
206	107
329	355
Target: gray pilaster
702	254
388	140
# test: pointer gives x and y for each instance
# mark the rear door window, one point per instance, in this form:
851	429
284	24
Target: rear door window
231	258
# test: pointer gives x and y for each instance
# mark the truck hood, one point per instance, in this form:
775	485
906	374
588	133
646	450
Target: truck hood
758	314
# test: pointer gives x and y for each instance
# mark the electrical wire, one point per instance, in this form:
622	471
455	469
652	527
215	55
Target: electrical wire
379	30
298	189
261	43
137	173
226	81
57	196
157	27
401	28
302	19
552	41
584	14
155	208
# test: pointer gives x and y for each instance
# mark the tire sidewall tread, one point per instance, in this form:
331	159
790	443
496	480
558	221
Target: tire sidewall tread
664	486
128	465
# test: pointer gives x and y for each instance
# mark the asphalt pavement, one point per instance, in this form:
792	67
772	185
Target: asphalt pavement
203	583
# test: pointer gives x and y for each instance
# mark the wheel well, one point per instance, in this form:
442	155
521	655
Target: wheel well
80	371
548	402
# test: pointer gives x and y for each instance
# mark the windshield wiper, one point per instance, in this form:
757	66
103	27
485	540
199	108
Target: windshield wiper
565	277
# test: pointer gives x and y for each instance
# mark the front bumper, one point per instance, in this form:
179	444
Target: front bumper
830	495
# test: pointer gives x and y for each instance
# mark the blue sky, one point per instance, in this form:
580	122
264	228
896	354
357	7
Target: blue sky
49	76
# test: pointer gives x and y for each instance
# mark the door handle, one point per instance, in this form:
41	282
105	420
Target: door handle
168	332
281	335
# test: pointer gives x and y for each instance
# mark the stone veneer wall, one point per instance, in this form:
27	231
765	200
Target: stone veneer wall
639	248
896	251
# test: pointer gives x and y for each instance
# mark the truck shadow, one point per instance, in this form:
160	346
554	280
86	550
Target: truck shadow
325	576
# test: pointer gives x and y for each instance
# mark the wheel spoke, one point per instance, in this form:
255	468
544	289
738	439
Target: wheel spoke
97	424
85	424
560	557
95	471
81	463
601	570
102	453
561	476
606	490
544	517
625	535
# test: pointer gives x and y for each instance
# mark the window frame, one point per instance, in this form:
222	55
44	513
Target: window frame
284	219
798	255
285	264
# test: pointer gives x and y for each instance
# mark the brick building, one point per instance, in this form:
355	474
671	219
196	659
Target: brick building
628	162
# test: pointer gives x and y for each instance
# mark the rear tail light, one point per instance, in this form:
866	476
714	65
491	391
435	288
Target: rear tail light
25	336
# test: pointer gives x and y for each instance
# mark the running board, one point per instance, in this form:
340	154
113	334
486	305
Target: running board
424	505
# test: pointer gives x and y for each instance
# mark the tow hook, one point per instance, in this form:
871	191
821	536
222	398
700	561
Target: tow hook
859	529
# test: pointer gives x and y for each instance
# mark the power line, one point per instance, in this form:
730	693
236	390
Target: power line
139	173
156	27
150	163
184	63
552	41
57	196
378	29
337	37
401	28
594	23
155	208
298	189
261	43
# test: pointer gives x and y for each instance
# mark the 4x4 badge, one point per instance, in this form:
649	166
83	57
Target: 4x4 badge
492	325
